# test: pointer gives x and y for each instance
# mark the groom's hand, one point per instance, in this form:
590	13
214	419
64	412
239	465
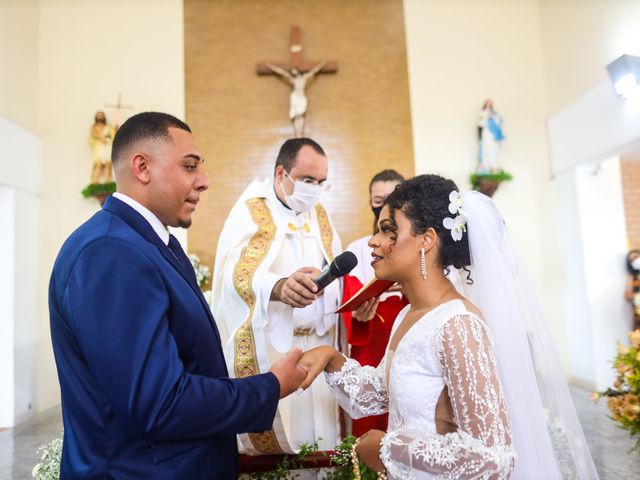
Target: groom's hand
288	372
368	450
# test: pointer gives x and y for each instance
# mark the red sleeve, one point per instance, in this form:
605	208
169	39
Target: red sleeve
358	333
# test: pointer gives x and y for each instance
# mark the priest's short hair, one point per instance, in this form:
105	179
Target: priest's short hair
289	151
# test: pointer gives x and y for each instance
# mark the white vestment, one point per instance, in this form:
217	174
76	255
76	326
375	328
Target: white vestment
261	242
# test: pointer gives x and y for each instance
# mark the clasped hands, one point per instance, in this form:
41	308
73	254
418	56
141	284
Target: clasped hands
297	370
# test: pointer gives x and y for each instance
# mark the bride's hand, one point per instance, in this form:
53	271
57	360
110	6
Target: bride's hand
367	310
368	450
315	361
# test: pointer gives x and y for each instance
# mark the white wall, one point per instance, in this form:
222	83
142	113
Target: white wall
588	125
596	126
461	52
580	338
582	137
20	183
603	237
19	62
594	247
19	202
7	310
89	52
579	38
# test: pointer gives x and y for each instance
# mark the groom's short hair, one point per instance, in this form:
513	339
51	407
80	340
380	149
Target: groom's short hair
289	151
144	126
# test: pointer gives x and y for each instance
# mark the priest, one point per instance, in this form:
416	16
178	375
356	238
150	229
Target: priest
277	238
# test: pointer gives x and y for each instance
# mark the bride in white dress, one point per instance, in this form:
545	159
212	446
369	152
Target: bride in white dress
473	390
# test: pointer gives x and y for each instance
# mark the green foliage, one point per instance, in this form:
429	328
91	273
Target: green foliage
94	189
49	466
499	176
283	470
344	465
623	399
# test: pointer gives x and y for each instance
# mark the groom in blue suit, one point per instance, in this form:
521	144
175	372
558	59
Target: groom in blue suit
145	390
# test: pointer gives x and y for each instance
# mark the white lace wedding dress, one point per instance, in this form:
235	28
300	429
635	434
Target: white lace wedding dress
448	347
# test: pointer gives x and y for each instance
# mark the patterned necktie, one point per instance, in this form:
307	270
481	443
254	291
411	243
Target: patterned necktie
183	260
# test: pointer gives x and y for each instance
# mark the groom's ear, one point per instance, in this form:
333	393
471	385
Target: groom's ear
139	165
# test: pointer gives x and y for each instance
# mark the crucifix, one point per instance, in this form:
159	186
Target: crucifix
298	73
118	107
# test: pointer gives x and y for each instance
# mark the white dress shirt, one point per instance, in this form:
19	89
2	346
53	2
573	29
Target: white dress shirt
154	221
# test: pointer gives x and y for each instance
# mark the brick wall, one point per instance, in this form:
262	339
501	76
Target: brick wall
630	173
360	115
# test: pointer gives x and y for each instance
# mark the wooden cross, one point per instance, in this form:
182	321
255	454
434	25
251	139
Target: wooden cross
118	110
296	59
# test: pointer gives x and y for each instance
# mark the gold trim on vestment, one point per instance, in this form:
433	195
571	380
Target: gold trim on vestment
326	232
245	358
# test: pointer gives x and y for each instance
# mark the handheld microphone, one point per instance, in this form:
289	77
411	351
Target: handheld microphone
341	265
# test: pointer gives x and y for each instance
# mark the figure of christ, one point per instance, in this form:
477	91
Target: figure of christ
100	140
298	99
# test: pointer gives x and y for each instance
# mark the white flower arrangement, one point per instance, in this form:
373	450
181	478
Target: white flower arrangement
636	303
48	468
457	225
208	295
202	271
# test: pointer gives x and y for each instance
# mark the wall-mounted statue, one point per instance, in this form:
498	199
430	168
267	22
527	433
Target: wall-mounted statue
490	137
100	139
298	98
488	174
298	73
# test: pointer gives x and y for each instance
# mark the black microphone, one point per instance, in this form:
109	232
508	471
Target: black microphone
341	265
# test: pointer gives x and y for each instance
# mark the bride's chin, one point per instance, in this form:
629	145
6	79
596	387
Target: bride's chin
381	274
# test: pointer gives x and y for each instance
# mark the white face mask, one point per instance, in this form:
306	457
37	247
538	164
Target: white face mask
304	196
636	264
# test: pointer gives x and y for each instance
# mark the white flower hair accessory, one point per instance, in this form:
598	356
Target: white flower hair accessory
458	224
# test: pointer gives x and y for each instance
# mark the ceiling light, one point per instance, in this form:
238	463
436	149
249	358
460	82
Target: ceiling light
624	72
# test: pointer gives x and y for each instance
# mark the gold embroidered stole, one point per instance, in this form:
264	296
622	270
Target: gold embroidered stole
245	358
326	232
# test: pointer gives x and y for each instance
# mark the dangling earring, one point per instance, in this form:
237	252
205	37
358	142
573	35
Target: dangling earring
423	263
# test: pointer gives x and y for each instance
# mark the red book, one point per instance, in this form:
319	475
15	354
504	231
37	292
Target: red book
372	289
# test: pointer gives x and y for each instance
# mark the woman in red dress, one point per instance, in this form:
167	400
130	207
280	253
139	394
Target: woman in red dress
369	327
633	284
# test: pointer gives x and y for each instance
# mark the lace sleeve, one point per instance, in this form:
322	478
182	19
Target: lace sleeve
360	391
481	446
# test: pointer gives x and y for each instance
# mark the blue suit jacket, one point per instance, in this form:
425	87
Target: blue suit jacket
145	390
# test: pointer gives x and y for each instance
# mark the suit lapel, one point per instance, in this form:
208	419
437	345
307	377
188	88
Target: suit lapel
138	223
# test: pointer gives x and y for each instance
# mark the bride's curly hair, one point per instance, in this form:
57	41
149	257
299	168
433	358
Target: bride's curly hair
424	200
